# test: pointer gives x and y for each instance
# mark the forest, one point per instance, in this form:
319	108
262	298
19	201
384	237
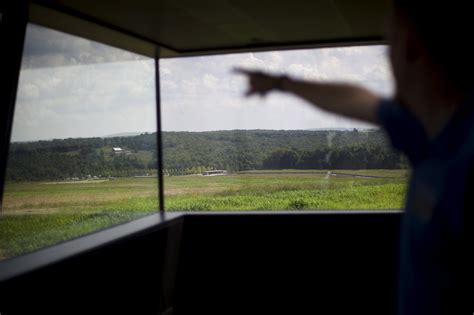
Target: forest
187	153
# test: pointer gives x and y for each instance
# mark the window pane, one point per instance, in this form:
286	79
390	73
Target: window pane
278	152
83	145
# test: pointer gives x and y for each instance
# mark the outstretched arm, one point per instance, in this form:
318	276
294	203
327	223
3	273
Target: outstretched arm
340	98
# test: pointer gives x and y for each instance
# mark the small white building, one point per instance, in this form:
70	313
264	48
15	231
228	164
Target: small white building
117	150
215	173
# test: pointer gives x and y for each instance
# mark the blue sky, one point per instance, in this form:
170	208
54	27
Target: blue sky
72	87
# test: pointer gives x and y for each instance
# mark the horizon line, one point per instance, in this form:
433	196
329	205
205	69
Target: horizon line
133	134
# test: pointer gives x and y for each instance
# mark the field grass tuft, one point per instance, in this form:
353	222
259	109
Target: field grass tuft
40	214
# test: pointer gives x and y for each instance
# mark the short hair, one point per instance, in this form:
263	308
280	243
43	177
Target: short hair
444	28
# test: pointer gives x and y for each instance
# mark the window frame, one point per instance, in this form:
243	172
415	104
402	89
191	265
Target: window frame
75	23
21	16
13	23
14	19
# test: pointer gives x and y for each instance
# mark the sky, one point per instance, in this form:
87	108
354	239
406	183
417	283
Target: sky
73	87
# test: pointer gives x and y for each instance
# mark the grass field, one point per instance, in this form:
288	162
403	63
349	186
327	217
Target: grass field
38	214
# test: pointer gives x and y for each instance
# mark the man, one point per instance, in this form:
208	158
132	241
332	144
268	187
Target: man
431	120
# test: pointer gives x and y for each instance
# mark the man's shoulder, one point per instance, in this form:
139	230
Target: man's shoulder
403	129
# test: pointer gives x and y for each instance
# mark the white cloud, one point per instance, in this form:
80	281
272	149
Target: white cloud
45	47
30	91
197	105
209	81
85	101
307	72
165	71
71	87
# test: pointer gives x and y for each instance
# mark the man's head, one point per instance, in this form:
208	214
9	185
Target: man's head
429	41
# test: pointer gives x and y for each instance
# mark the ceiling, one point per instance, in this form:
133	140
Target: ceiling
214	26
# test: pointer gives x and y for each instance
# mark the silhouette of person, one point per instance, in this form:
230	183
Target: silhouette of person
431	120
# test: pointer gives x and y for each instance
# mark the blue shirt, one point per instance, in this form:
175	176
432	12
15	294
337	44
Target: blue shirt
433	244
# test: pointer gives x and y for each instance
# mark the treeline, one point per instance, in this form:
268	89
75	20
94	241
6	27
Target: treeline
351	157
79	158
195	152
280	149
43	165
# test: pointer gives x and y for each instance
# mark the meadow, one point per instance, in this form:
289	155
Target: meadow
38	214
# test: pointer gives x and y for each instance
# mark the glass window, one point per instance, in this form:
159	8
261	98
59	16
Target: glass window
225	152
83	146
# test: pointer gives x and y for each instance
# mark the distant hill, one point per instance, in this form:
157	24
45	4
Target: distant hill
195	152
124	134
341	129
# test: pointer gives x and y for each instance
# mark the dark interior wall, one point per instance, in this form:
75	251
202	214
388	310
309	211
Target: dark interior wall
226	264
247	264
289	264
124	277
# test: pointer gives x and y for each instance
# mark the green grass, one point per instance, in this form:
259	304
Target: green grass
25	233
283	192
380	173
41	214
